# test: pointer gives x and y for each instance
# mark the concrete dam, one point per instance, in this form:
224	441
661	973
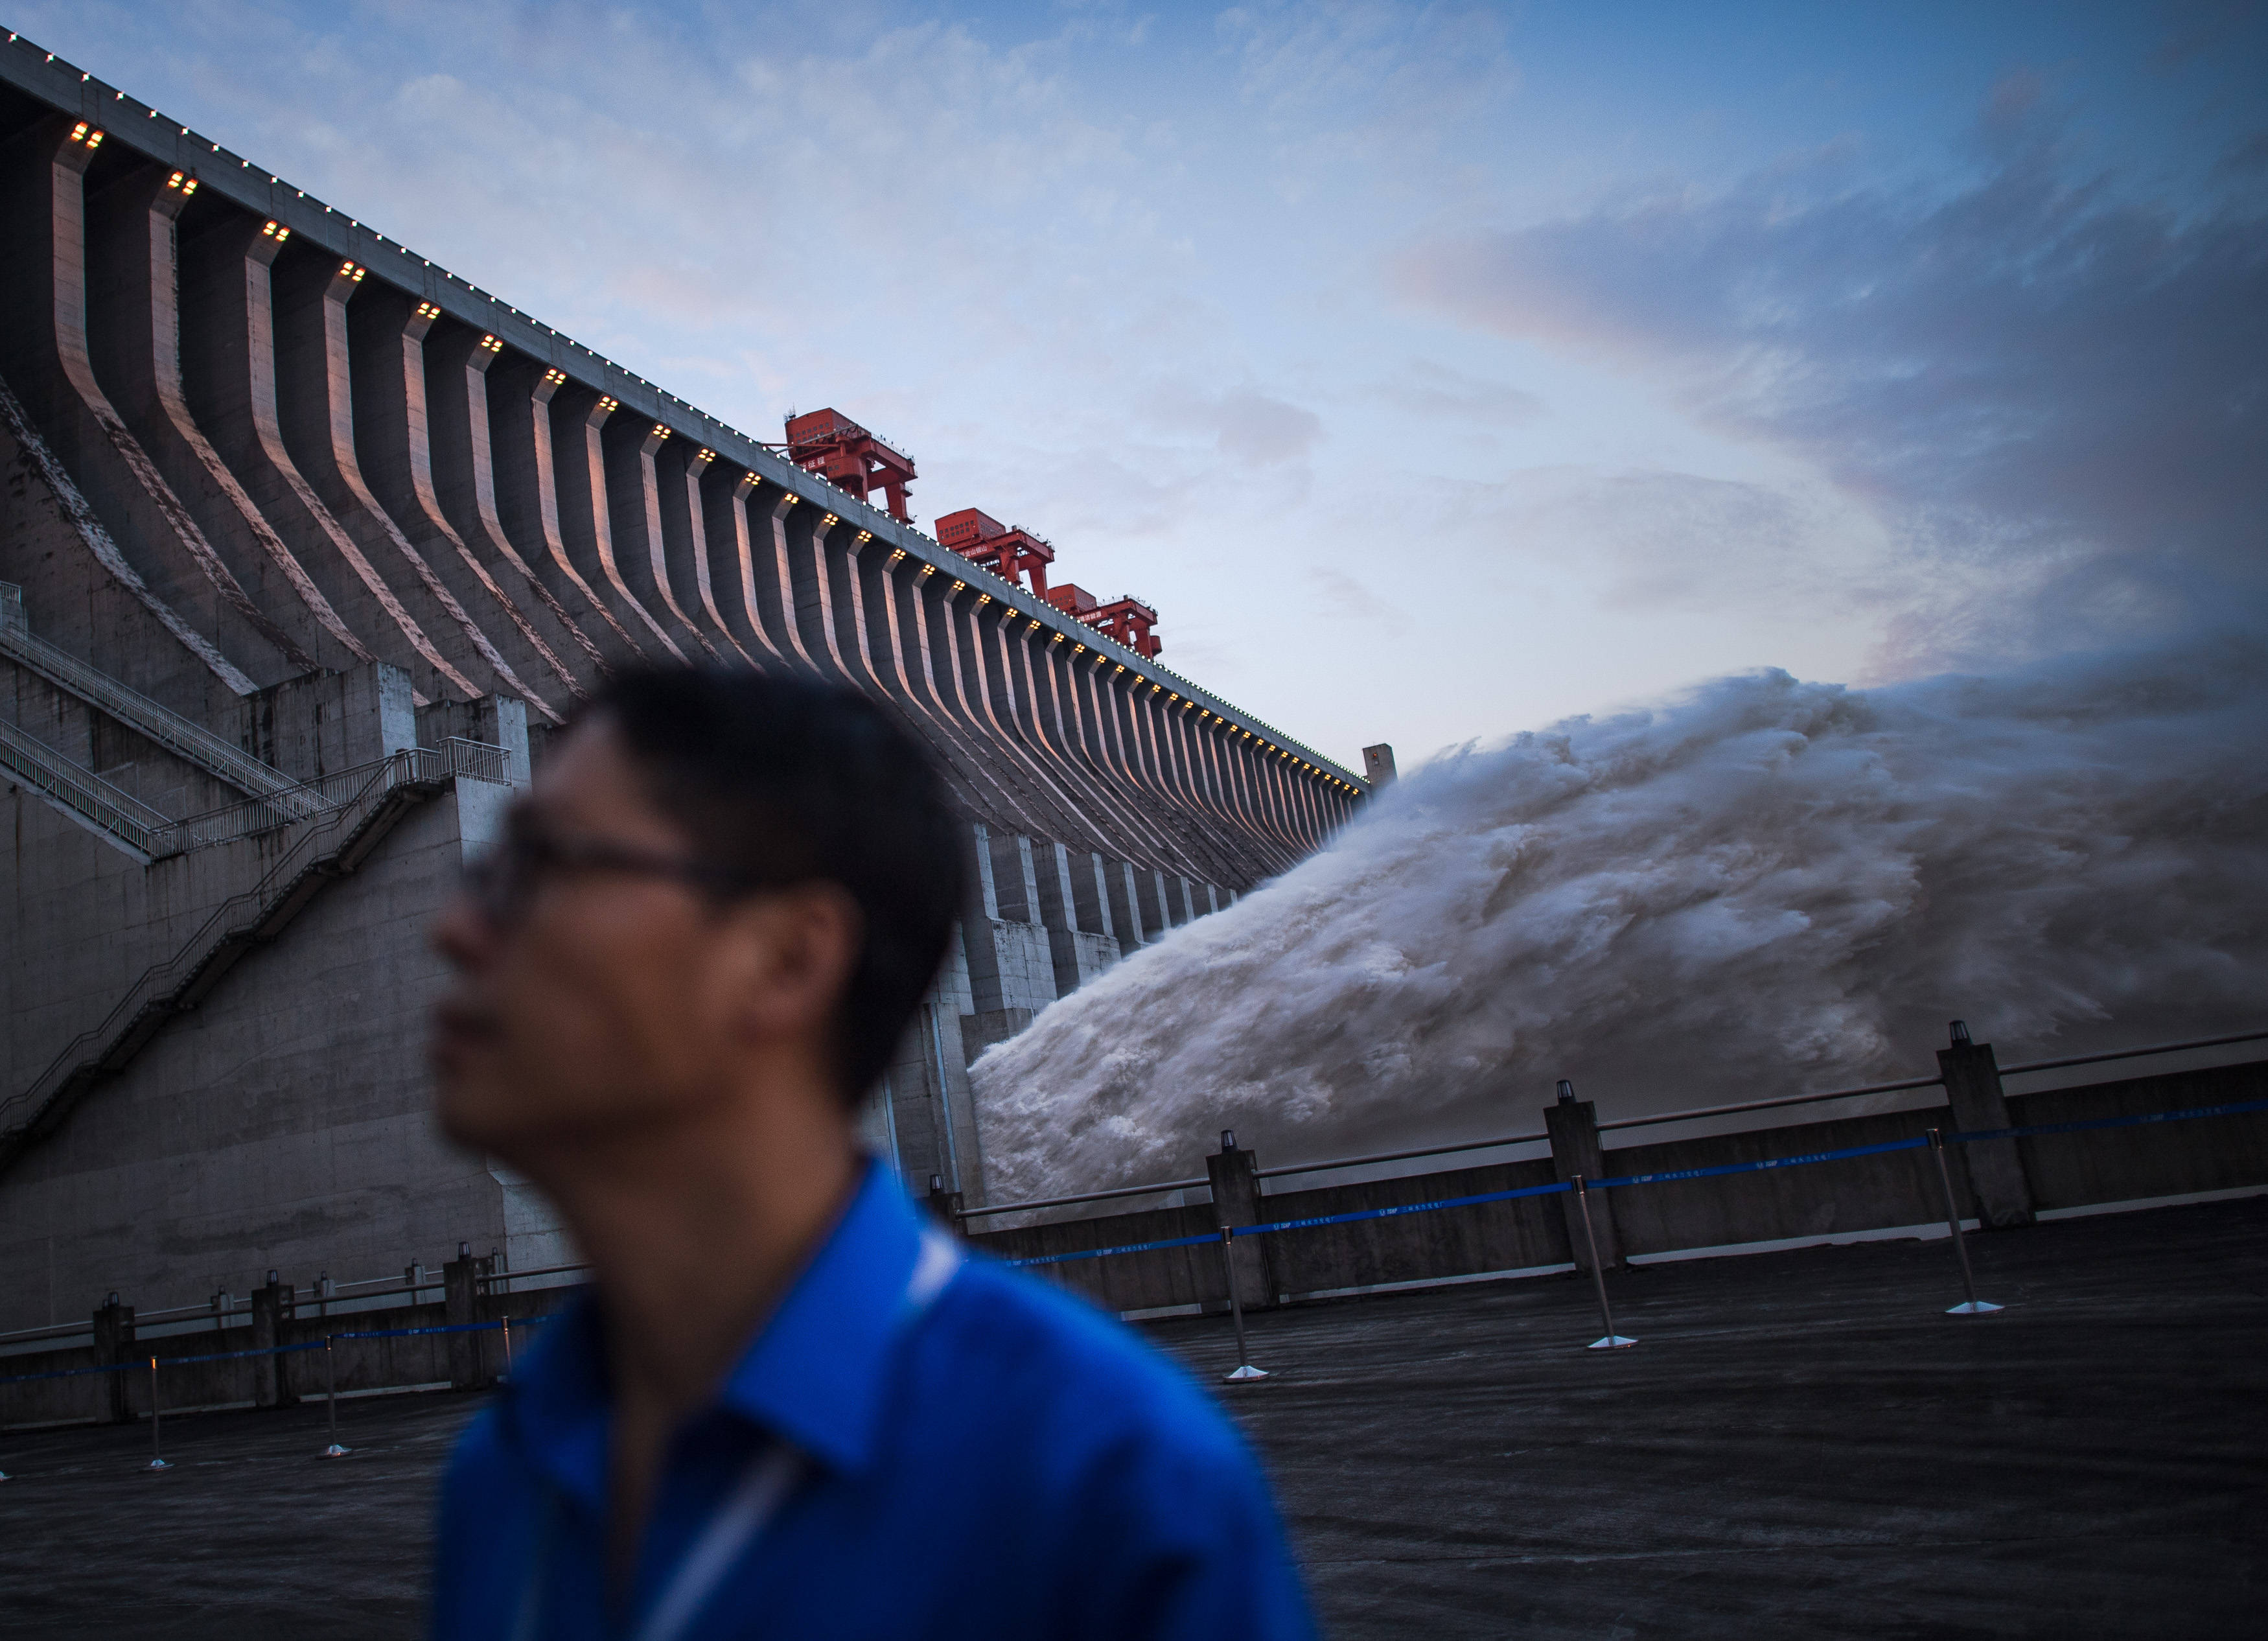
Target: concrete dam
309	547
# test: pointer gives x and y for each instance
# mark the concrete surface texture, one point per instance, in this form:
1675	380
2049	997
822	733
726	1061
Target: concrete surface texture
1802	1444
274	487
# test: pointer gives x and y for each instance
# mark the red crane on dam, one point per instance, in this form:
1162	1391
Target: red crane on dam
1015	555
850	457
1009	551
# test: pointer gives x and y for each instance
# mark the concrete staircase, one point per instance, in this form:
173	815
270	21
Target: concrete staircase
333	842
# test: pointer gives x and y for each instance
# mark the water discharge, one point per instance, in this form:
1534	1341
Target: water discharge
1764	887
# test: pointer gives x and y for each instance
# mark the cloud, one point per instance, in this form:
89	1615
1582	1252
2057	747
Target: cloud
2033	378
1254	428
1435	391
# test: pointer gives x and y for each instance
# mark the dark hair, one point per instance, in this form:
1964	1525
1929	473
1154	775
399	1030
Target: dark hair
783	782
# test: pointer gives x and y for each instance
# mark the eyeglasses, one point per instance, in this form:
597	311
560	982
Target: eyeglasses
503	881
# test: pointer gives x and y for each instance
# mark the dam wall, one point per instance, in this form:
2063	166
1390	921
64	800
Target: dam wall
307	549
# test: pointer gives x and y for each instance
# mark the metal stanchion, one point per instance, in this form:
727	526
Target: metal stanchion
1972	1306
507	1347
1244	1368
1613	1341
157	1457
331	1371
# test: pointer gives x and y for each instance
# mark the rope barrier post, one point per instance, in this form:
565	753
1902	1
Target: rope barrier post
157	1457
1244	1369
331	1372
1972	1306
1613	1341
507	1347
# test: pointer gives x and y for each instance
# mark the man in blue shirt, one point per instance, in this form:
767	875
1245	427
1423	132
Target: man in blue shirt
789	1407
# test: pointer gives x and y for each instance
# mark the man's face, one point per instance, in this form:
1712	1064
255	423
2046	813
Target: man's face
602	1000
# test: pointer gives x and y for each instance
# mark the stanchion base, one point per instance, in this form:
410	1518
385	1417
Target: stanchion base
1974	1307
157	1464
336	1452
1247	1371
1612	1341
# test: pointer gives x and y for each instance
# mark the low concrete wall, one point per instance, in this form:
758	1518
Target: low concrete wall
465	1360
1818	1199
1854	1195
2167	1160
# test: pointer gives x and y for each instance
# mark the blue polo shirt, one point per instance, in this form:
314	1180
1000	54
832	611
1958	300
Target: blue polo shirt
918	1443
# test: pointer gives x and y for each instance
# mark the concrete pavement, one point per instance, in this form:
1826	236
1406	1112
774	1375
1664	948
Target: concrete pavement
1802	1444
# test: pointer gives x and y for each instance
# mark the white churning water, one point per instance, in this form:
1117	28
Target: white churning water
1765	886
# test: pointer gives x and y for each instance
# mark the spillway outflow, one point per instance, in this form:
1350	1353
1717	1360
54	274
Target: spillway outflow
1765	886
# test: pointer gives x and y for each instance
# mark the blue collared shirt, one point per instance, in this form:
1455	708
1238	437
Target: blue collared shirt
915	1444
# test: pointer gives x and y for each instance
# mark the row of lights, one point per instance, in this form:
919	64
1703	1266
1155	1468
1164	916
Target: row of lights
92	137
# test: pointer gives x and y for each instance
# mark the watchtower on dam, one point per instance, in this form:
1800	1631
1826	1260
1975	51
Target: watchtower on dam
309	547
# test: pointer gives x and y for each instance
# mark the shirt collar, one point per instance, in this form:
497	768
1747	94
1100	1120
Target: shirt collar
818	1370
816	1373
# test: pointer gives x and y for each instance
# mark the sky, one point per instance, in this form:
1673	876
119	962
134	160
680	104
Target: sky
1437	371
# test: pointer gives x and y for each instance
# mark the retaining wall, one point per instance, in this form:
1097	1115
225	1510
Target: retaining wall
1855	1195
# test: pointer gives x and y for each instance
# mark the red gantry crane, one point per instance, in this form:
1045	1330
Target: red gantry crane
847	456
1009	551
1015	555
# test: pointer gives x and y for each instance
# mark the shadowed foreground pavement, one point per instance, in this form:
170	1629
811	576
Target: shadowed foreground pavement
1803	1445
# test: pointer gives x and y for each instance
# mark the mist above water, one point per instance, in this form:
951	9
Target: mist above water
1764	887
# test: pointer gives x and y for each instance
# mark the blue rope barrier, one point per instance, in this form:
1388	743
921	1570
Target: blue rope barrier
1915	1144
406	1333
231	1356
2234	1108
70	1373
1405	1207
1130	1247
142	1361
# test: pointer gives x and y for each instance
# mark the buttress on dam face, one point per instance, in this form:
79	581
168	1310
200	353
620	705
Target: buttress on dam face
308	547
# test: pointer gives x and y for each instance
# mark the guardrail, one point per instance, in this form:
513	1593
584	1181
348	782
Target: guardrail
1691	1114
113	809
185	738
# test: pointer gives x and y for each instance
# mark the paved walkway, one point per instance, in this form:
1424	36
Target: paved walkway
1802	1445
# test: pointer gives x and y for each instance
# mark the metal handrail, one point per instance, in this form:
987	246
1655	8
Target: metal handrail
477	760
53	1330
178	735
1085	1197
110	808
496	1276
1767	1105
1401	1156
2129	1054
